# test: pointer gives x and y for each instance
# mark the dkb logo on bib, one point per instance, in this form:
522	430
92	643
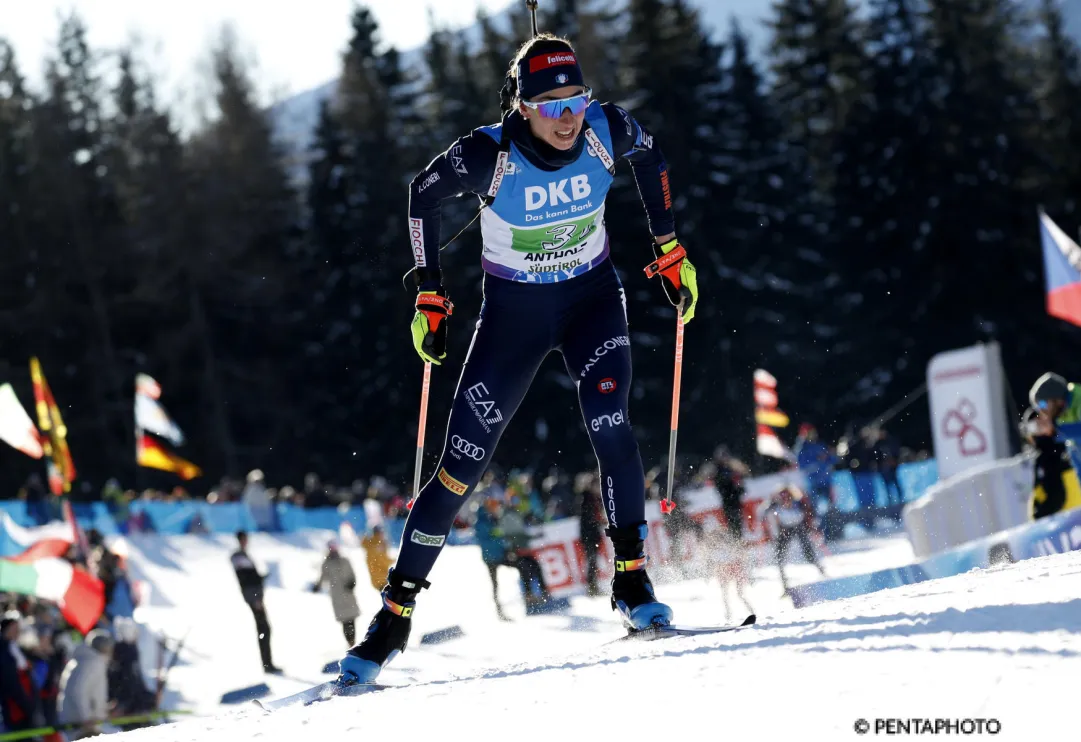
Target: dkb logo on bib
537	197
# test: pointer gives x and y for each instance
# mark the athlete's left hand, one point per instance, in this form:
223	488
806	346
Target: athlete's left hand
678	276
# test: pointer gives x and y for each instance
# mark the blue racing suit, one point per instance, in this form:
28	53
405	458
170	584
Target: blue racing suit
549	285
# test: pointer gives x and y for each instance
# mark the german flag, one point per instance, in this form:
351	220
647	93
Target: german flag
53	432
151	454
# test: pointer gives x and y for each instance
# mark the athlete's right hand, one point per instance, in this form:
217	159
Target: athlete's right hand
429	326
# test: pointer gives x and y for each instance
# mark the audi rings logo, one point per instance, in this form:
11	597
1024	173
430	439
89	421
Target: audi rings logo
463	446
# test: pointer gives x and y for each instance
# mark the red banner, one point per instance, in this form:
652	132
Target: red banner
559	551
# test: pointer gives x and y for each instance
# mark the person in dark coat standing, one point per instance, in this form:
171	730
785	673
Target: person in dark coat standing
251	588
17	692
338	573
729	483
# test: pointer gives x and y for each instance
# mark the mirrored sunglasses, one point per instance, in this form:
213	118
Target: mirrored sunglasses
553	109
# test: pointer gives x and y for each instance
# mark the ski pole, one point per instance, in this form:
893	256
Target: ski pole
425	387
668	504
165	673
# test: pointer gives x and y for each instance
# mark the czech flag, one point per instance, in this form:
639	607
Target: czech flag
1062	271
18	544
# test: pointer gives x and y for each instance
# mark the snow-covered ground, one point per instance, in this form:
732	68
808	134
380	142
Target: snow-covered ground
1001	643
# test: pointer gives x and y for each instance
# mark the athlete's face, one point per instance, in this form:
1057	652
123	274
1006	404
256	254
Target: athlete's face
562	132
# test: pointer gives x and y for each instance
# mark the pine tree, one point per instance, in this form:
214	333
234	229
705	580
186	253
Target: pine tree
816	56
764	271
460	95
85	267
360	356
493	60
592	27
885	168
674	71
146	157
240	230
936	203
1058	85
15	187
23	312
562	18
983	162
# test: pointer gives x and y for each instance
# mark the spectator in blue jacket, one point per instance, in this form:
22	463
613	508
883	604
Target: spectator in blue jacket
816	462
493	549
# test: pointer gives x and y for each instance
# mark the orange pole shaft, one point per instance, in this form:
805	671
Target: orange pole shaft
677	378
421	427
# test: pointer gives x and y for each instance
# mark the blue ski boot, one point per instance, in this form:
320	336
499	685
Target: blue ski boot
387	635
632	591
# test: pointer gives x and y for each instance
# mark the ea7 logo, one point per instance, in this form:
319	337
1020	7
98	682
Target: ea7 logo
456	160
537	197
483	409
425	540
610	420
606	386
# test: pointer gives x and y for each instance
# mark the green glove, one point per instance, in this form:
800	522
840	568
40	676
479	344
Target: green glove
678	276
429	327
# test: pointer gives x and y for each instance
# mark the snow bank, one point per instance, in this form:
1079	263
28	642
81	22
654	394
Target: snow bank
1000	643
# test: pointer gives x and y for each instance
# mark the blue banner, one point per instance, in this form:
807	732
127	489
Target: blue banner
1054	535
193	517
855	492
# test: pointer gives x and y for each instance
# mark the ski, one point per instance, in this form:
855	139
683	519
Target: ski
331	689
666	632
321	692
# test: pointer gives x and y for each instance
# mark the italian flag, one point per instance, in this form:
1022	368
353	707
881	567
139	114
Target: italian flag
80	596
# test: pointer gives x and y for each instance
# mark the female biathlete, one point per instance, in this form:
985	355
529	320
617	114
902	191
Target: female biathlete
549	284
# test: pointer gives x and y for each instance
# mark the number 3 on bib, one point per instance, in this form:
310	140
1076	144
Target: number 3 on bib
562	233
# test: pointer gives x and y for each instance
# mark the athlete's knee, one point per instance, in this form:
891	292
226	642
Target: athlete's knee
611	435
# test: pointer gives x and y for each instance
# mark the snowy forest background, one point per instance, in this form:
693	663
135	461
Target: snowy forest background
858	197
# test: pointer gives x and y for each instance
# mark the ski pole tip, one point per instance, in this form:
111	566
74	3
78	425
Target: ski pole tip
667	506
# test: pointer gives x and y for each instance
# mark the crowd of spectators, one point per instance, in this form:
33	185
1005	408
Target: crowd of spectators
54	677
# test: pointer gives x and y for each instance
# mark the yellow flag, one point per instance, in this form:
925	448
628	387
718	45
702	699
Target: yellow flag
772	418
53	430
150	454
